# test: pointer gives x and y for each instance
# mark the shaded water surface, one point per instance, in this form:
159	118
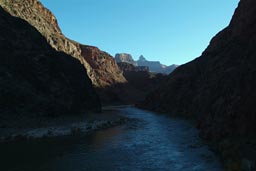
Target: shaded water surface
149	142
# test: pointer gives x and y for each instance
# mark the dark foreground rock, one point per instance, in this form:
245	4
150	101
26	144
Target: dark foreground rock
218	88
100	66
36	80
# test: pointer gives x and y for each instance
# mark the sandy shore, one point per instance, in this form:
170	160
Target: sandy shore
43	127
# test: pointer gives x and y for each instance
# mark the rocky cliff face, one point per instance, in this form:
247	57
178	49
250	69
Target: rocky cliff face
143	64
45	22
104	66
156	66
37	80
125	58
169	69
217	88
126	66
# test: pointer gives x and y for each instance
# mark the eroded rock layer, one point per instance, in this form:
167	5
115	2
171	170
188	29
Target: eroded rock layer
35	79
45	22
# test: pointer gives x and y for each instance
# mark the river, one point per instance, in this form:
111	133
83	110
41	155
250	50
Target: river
149	142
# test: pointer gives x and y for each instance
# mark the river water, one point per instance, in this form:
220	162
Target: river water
150	142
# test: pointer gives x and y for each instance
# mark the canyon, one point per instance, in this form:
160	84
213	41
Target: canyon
44	74
218	89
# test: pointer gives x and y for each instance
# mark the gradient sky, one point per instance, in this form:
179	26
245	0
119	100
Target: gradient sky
171	31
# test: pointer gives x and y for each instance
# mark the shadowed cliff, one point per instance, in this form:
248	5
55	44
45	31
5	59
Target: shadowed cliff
35	79
218	88
219	85
98	64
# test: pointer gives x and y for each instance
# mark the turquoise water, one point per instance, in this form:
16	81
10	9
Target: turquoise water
150	142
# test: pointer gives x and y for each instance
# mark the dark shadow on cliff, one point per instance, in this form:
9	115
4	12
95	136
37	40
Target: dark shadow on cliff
139	85
218	89
36	80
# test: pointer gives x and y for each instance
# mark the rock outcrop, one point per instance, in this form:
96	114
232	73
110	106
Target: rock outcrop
45	22
124	66
169	69
125	58
35	79
103	65
129	67
218	88
143	64
154	66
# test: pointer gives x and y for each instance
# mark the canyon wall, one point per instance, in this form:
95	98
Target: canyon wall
35	79
218	88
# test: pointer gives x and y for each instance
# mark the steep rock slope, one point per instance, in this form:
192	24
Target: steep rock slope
124	66
35	79
154	66
169	69
45	22
125	57
104	66
218	87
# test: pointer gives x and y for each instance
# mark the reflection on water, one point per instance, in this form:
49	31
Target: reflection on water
151	142
99	138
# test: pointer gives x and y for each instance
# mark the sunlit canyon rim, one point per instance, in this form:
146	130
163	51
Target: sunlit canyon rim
51	86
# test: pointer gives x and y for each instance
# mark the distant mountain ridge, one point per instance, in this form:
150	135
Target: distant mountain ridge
154	66
125	57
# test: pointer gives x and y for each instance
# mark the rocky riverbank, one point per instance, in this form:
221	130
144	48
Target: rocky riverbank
45	127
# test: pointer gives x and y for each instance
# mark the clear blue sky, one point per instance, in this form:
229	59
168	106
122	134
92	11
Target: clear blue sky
171	31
